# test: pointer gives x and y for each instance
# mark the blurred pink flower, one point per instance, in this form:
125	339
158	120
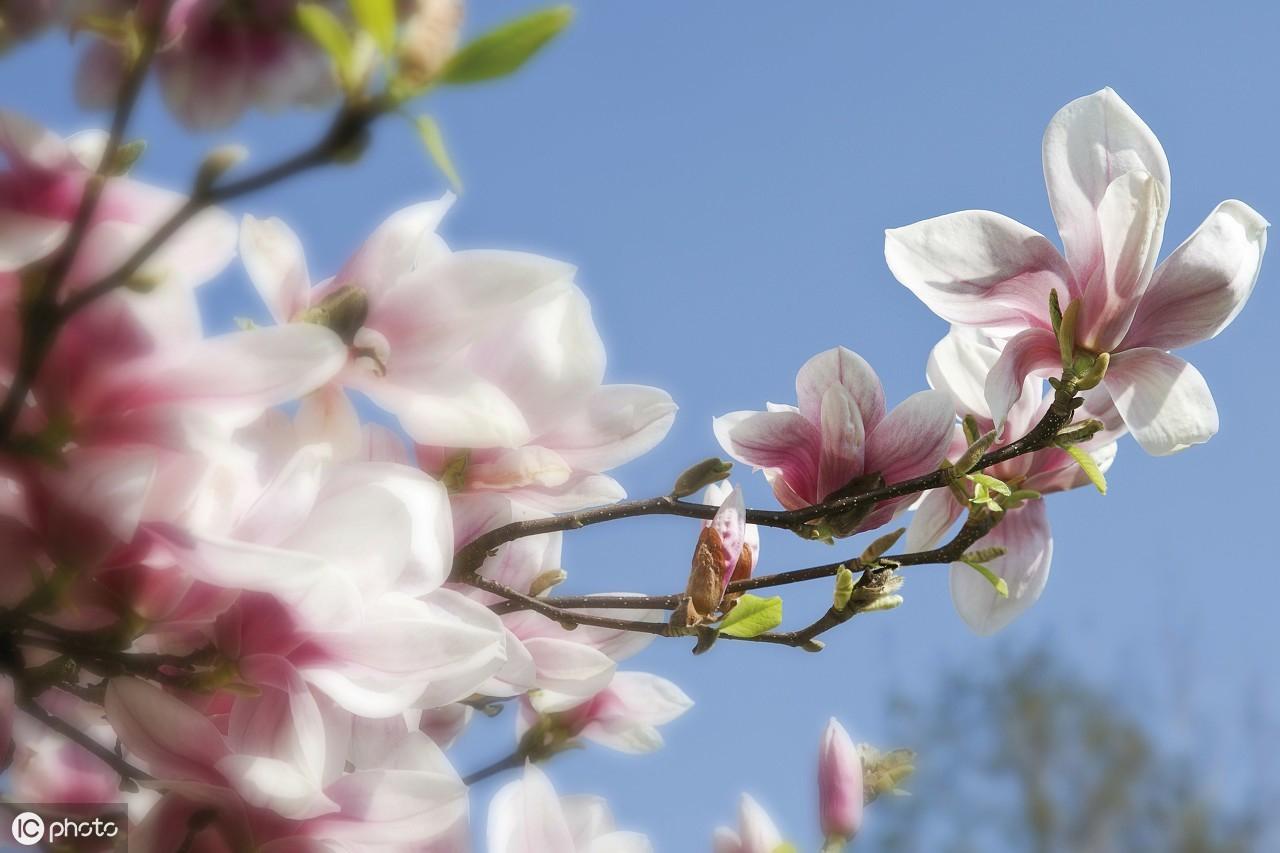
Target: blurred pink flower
624	716
756	831
1108	183
217	58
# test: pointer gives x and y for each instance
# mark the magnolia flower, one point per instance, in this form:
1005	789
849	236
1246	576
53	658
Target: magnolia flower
526	816
839	784
216	59
489	360
839	441
958	365
287	769
756	831
1108	184
369	627
624	716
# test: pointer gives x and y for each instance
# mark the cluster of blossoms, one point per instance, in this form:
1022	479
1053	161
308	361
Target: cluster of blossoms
237	607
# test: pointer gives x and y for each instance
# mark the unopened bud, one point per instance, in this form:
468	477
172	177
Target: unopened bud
701	475
1055	311
219	161
1067	333
1077	433
844	588
1091	376
126	156
984	554
972	454
884	602
814	646
877	548
429	40
547	580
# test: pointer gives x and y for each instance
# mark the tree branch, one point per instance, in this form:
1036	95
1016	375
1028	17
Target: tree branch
123	768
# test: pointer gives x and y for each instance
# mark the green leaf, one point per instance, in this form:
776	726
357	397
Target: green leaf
502	51
785	847
1090	467
378	19
429	132
1001	588
326	30
752	616
992	483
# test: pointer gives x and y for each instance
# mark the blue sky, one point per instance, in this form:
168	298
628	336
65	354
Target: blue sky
722	173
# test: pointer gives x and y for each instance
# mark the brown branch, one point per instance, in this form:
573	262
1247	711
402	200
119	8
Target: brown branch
124	769
41	316
471	557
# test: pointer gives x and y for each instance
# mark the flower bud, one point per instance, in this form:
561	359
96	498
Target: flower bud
839	783
701	475
429	40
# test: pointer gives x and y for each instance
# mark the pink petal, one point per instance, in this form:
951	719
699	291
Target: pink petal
1164	401
1034	352
1200	288
175	740
784	441
405	240
913	438
1131	218
978	268
843	441
1024	532
844	367
1090	142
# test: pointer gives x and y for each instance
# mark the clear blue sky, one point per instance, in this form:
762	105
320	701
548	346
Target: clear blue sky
722	173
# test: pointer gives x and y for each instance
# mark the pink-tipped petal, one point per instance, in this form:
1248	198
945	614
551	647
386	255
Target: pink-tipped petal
913	438
843	441
784	441
176	741
1032	353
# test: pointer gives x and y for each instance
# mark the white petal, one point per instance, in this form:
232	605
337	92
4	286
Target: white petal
1024	532
525	817
1089	143
1199	289
617	424
1164	401
277	266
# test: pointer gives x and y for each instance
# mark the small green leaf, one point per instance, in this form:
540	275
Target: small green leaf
992	483
1089	466
326	30
785	847
502	51
432	140
1001	588
752	616
378	19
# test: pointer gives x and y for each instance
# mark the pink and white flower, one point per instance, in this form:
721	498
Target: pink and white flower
959	365
839	439
1108	183
624	716
489	360
527	816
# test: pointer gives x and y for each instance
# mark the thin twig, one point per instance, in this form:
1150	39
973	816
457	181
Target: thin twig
123	768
